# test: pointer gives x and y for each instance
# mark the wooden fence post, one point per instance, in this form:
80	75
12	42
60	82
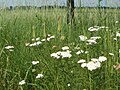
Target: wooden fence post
70	12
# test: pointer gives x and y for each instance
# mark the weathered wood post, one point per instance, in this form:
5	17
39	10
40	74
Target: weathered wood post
70	11
99	3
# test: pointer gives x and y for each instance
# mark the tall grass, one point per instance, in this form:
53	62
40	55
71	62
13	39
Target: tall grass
18	27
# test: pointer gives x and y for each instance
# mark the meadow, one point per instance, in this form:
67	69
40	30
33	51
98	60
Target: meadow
40	51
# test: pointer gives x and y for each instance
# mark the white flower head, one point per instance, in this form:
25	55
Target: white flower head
43	40
68	84
35	44
52	37
95	38
55	55
94	59
92	29
39	76
83	65
117	34
35	62
81	61
91	66
48	39
83	38
48	35
90	41
65	48
115	39
9	47
116	22
65	54
111	54
102	59
79	52
98	64
27	44
22	82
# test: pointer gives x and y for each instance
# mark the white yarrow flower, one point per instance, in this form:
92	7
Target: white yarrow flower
65	48
83	38
39	76
55	55
91	66
117	34
9	47
102	59
83	65
111	54
35	62
68	84
94	59
81	61
22	82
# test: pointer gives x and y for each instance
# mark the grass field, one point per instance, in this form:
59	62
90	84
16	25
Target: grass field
31	55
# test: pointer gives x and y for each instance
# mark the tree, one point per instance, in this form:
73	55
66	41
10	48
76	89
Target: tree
70	13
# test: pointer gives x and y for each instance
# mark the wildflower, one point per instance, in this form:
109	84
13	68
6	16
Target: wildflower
52	37
94	59
97	64
81	61
115	39
116	22
94	38
35	62
102	59
22	82
68	84
117	34
39	76
83	65
65	48
91	66
103	27
35	44
92	29
27	44
9	47
83	38
10	50
36	39
90	42
111	54
79	52
48	39
65	54
43	40
86	52
55	55
71	71
48	35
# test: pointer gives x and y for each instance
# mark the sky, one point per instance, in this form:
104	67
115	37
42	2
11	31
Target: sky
90	3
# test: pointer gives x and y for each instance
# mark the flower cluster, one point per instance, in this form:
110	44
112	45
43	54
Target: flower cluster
37	41
90	41
62	54
96	28
33	70
93	64
10	48
81	52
